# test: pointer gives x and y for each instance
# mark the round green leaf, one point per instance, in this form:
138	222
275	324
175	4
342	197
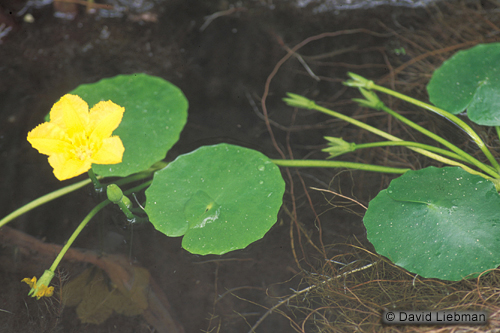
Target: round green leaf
221	198
438	223
155	114
470	80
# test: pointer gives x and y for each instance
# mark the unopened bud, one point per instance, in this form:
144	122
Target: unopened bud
114	193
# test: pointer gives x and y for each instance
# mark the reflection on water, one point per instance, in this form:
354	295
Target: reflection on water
320	6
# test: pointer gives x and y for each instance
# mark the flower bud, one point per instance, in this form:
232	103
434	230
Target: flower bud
114	193
299	101
338	146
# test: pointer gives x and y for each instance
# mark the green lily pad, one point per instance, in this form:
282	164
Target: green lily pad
470	80
438	223
155	114
221	198
201	209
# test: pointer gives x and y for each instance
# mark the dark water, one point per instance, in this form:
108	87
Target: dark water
222	70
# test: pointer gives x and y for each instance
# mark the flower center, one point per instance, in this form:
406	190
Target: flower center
83	148
82	152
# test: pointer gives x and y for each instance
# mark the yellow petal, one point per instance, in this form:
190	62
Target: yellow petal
31	283
71	113
39	293
49	292
44	291
66	167
104	119
111	151
49	139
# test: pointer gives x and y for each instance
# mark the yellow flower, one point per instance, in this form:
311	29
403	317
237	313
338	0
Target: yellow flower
31	283
75	138
42	289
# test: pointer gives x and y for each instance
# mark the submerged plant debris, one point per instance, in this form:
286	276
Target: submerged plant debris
96	297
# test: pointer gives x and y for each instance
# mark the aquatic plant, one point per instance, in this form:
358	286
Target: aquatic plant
436	222
220	198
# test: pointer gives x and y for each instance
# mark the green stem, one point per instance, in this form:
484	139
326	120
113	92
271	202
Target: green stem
358	123
75	234
445	114
138	187
337	164
97	184
135	218
410	144
42	200
134	178
86	220
425	147
312	105
68	189
126	211
442	141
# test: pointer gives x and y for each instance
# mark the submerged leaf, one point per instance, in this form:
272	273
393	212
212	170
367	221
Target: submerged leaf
96	297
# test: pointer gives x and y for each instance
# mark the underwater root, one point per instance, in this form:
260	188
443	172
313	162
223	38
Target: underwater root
353	298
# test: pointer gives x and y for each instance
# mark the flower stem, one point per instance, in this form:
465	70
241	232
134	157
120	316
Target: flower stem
388	136
459	122
75	234
86	220
42	200
442	141
410	144
300	101
429	148
68	189
115	195
97	184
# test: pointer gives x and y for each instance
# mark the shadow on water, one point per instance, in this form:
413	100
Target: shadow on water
222	66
